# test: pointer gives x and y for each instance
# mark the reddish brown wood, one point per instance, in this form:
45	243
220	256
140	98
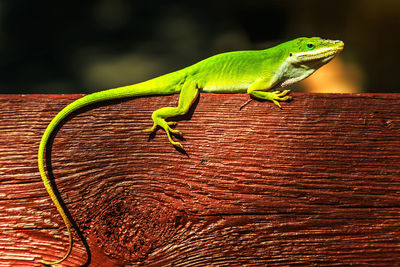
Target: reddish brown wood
317	182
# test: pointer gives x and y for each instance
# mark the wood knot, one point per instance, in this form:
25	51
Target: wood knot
128	228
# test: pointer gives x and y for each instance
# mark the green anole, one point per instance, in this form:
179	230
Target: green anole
255	72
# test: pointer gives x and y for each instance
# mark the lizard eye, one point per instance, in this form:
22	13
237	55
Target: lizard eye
310	46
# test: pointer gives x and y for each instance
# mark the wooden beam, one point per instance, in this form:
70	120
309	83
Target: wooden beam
317	182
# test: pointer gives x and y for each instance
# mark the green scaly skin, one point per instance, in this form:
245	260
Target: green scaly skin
255	72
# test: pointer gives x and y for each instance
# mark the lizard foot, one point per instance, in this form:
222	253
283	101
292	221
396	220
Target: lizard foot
279	96
274	97
168	130
169	123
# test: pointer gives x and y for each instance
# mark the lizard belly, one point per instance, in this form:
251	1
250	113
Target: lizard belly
225	88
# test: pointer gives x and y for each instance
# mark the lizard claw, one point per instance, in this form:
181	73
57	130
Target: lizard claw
279	96
149	129
174	131
283	93
172	123
177	144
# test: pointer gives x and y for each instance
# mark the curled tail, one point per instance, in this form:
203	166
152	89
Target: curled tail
167	84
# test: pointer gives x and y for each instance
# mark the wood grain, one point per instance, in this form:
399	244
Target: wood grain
316	183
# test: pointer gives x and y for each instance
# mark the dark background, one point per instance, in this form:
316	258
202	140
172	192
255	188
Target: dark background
85	46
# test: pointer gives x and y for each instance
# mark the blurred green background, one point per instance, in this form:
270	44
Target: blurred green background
86	46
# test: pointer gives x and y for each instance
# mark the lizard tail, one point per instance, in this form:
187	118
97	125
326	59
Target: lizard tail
84	101
157	86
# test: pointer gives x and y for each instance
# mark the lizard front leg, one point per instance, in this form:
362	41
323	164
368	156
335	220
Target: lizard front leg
258	90
274	97
188	95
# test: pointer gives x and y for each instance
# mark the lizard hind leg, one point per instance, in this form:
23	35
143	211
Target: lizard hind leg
188	95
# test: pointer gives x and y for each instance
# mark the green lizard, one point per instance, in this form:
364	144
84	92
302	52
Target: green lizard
255	72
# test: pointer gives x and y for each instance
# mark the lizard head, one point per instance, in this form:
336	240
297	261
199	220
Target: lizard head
313	52
305	55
